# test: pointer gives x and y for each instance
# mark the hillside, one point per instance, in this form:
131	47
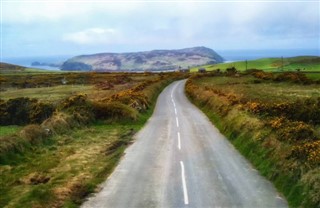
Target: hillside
5	68
144	61
305	63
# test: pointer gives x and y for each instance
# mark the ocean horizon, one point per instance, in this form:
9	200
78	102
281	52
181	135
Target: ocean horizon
228	55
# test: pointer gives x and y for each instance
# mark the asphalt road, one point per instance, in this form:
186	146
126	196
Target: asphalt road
179	159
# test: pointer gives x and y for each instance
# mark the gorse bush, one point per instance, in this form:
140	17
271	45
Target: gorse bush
115	110
306	110
20	111
293	77
307	153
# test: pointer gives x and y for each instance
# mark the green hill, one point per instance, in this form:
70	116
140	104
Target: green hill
304	63
5	67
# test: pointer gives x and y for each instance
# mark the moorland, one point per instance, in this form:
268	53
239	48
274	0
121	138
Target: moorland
62	133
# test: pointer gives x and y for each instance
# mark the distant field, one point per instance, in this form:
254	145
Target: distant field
46	93
305	63
313	76
268	92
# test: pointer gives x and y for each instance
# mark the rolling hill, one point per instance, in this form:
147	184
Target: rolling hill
144	61
5	68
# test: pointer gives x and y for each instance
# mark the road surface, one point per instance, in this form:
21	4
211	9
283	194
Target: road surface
179	159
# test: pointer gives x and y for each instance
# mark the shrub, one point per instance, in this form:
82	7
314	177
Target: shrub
311	182
74	100
307	152
22	110
10	143
293	77
132	98
40	112
59	123
262	75
114	110
231	70
16	111
33	133
79	108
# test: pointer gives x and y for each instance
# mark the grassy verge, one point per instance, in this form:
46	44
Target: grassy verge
7	130
61	169
280	142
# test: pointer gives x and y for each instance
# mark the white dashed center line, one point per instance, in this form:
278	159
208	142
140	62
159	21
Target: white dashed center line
184	185
179	141
177	121
183	177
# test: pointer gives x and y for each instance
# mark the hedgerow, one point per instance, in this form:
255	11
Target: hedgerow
284	133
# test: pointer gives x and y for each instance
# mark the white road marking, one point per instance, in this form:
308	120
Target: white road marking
177	121
184	185
179	141
175	111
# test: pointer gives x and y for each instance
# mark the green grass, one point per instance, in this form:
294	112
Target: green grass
8	130
79	158
313	76
266	91
47	93
308	63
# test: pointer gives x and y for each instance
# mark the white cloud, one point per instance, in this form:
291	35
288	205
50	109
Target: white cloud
141	25
94	36
30	12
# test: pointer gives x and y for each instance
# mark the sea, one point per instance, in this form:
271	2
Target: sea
27	61
228	55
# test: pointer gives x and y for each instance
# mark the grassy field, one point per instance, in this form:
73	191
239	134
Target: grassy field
7	130
66	167
58	159
47	93
275	124
307	63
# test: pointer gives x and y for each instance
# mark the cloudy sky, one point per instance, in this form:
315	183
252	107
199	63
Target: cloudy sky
43	28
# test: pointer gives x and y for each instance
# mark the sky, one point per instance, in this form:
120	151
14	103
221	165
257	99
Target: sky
69	27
